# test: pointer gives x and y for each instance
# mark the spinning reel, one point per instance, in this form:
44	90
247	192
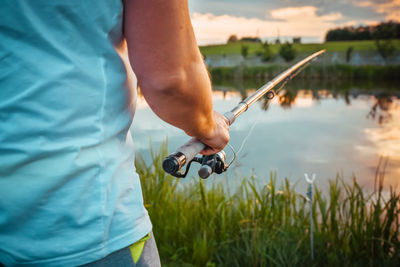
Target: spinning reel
216	163
209	164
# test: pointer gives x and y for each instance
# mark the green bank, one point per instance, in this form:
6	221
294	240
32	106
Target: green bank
254	48
268	225
313	71
345	60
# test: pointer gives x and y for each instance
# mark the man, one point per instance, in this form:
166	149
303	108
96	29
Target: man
69	194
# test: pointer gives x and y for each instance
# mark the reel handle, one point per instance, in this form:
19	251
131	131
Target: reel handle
175	161
213	163
205	171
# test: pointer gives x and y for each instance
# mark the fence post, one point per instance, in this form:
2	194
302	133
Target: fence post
310	200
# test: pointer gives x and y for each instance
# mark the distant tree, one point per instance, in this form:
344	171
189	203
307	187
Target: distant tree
384	31
397	31
385	48
349	52
340	34
232	39
244	50
363	33
266	53
287	52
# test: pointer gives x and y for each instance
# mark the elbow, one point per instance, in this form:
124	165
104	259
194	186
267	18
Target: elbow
168	83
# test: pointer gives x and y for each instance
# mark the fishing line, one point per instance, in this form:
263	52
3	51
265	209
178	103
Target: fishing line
235	154
275	92
249	132
290	78
186	154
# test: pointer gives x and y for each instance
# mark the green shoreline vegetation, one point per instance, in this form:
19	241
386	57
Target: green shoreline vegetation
195	225
321	70
254	48
329	72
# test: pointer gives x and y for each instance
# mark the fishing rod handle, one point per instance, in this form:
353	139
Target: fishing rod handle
175	161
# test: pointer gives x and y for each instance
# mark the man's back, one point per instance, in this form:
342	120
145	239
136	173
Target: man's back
65	113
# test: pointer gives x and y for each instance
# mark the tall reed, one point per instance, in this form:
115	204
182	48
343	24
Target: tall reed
199	225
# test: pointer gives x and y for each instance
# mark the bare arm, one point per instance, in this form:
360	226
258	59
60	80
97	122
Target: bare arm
170	69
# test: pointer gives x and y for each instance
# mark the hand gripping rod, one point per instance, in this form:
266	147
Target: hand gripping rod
175	161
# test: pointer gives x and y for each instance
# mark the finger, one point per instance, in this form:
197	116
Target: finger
226	121
208	151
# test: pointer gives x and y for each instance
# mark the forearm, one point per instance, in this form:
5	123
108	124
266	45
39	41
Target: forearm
184	103
166	60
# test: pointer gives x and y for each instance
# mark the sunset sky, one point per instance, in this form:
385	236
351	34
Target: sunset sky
215	20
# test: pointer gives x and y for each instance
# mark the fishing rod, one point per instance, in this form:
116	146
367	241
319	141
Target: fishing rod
216	163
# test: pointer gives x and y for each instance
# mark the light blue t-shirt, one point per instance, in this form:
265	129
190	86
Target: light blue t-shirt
69	193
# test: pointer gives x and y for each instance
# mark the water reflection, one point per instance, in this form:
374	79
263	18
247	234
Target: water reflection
381	110
287	98
321	128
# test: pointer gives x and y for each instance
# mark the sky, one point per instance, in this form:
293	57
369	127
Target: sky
215	20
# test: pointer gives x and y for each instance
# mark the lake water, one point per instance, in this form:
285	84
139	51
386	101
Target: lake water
309	128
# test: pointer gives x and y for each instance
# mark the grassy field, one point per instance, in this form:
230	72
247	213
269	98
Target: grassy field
268	225
234	48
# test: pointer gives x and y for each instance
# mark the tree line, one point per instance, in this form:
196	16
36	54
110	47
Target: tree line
286	51
381	31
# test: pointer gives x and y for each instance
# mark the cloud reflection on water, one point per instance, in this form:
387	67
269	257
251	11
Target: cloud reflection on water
386	137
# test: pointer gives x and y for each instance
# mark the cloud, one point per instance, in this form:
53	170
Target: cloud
303	13
237	8
351	10
390	9
290	21
215	20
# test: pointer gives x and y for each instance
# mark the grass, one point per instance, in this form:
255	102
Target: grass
330	72
196	225
234	48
